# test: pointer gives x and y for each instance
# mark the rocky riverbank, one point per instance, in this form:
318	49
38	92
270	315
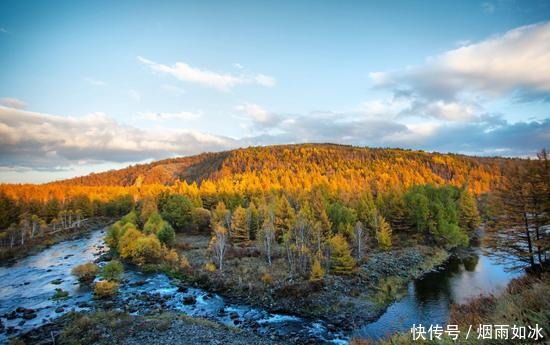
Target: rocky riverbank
8	256
121	328
342	302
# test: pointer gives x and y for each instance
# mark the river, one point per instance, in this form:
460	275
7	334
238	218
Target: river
31	282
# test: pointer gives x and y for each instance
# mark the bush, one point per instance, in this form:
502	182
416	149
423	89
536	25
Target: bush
112	271
60	294
210	267
184	263
166	234
105	289
267	279
153	224
171	258
85	273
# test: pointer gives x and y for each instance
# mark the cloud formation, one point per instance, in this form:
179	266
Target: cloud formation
12	102
513	63
220	81
43	141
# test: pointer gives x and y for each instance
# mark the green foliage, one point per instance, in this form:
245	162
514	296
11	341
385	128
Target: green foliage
176	210
60	294
112	271
166	234
341	260
435	212
153	224
85	273
201	219
342	218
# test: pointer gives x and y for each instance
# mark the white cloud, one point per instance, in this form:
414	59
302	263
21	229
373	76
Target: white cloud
182	115
220	81
238	65
95	82
515	62
43	141
12	102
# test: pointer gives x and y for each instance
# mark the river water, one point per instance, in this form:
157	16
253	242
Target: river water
31	282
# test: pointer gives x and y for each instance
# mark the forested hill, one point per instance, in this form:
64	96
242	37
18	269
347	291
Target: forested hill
291	167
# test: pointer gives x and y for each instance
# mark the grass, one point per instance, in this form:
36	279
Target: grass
60	294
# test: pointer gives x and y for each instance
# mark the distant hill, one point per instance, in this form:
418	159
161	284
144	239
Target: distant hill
299	165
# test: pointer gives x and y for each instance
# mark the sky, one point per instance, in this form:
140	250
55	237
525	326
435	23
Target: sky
88	86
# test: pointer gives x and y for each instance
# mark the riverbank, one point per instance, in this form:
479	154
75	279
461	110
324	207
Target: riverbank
524	303
110	327
343	302
8	256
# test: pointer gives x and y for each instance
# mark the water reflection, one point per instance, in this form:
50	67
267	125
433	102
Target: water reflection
428	299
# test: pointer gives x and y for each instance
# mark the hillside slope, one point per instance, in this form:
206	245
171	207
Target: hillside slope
300	166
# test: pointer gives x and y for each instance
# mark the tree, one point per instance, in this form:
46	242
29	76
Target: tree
85	273
201	219
221	216
317	273
341	260
239	226
520	206
383	232
469	218
359	239
112	271
166	234
284	216
176	210
267	236
218	244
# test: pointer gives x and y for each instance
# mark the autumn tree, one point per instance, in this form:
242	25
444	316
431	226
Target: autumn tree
266	236
359	240
218	244
317	273
383	232
239	226
341	260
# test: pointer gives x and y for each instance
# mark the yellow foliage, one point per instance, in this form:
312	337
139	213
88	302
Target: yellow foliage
267	279
210	267
105	289
317	273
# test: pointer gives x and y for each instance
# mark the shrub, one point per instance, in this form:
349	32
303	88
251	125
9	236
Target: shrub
105	289
112	271
85	273
210	267
171	258
184	263
60	294
166	234
267	279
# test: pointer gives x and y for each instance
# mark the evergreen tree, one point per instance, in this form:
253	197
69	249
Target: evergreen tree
383	233
239	226
341	260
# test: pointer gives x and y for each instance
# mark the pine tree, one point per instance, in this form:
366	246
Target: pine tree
469	218
317	273
239	226
341	260
383	232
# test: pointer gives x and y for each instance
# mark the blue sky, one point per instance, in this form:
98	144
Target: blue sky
88	86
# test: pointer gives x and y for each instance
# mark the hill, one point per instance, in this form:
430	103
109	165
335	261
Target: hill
291	166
